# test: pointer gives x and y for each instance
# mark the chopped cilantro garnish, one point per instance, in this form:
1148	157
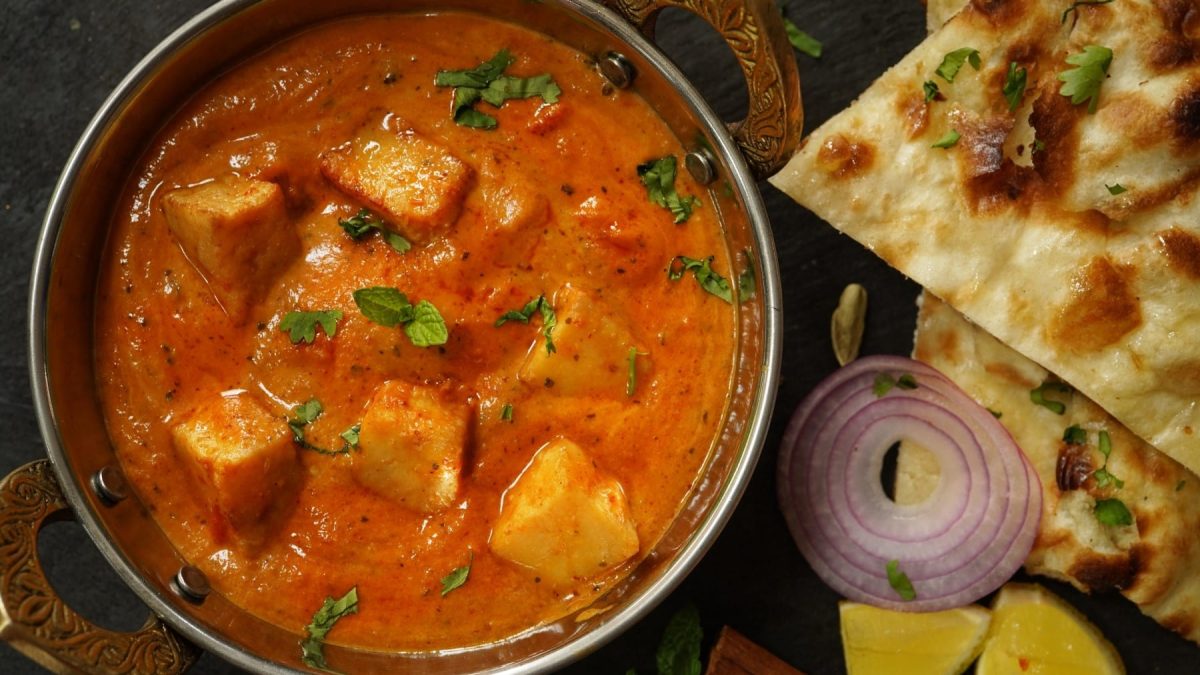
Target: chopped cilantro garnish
947	141
1038	396
302	326
487	82
538	305
323	620
1014	85
803	42
679	651
996	413
931	90
1082	83
364	221
954	61
885	382
1075	435
702	270
386	306
1103	476
1113	512
658	175
1116	189
631	380
458	576
305	414
1179	486
906	381
899	581
506	413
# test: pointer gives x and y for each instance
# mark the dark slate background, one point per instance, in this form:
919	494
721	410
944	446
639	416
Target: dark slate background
60	58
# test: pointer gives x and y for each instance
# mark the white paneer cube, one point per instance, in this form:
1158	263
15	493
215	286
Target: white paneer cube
237	233
592	347
415	184
563	519
243	458
512	199
411	446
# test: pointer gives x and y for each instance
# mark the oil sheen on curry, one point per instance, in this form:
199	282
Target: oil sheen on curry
416	305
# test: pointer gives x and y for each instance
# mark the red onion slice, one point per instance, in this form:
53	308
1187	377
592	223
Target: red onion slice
962	542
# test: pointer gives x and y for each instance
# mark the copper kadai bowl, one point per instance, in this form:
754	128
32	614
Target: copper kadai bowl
83	477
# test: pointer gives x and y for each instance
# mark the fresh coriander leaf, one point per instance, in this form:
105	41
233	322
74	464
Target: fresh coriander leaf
303	415
883	384
1113	512
899	581
1179	485
1074	8
478	77
996	413
364	221
1104	478
302	326
1105	446
312	647
947	141
954	61
931	90
1115	190
1082	83
508	87
1075	435
1038	396
803	42
746	283
458	576
679	651
906	381
350	435
1014	85
538	305
658	176
702	270
506	413
631	380
427	328
383	305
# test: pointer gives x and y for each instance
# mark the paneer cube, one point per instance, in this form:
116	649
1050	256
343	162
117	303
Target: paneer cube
512	200
411	446
563	519
415	184
237	234
243	458
592	347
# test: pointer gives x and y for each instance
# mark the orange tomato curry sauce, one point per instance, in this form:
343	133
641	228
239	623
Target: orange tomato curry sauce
548	202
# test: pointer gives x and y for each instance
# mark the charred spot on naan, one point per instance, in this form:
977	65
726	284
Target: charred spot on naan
1101	309
912	106
1185	115
1000	14
844	157
1057	125
1182	250
1099	571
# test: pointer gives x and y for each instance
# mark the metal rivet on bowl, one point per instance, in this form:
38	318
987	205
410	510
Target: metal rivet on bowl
701	165
617	69
109	485
191	584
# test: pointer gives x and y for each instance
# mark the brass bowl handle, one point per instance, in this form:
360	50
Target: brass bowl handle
754	30
36	622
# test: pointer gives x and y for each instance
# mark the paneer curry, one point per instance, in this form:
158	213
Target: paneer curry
420	306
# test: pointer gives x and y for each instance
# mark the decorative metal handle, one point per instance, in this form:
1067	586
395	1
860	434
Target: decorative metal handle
35	621
753	29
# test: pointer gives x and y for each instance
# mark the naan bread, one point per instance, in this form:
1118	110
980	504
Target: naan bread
1155	562
1102	289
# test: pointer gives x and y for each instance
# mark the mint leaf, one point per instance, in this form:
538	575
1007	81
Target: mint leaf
803	42
899	581
478	77
331	611
1113	512
486	82
383	305
427	328
954	61
507	87
702	270
658	176
1082	83
302	326
679	651
364	221
458	576
537	305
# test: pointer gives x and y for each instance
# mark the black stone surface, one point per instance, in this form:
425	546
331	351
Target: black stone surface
60	58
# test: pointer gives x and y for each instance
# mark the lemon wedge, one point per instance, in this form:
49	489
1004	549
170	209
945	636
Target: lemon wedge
1034	632
923	643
